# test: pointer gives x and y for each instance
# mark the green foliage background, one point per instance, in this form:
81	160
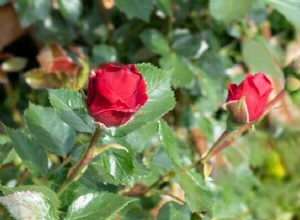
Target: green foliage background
187	51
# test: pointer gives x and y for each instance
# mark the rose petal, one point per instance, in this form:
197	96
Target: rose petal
262	83
115	93
113	118
261	105
233	92
111	67
122	82
141	96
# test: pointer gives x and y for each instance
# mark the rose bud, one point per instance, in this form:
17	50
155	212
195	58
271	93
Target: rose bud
247	101
115	93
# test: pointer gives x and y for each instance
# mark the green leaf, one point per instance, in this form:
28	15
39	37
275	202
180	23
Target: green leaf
229	10
188	45
70	9
198	196
30	202
182	73
69	106
97	206
5	150
55	28
49	130
31	11
14	64
91	27
160	98
266	62
134	8
212	90
168	140
159	163
165	6
142	137
102	53
155	41
289	8
33	156
174	211
135	211
115	166
65	98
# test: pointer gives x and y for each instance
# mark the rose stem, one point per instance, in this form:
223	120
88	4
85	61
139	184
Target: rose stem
9	94
170	174
273	101
223	141
79	166
229	141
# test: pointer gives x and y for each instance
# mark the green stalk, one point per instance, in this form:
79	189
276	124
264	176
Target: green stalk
75	171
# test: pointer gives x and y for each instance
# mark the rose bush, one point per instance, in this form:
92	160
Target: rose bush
176	158
115	93
247	101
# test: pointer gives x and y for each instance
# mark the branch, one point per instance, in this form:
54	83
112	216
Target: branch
75	171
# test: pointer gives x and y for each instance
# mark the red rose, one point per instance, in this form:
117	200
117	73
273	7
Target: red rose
247	101
115	93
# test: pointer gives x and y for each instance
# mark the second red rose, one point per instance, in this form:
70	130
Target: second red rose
247	101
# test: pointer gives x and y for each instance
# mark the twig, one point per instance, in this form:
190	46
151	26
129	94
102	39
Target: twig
74	171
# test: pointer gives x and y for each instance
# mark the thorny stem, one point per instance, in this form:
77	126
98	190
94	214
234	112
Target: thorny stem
75	170
229	140
223	141
273	101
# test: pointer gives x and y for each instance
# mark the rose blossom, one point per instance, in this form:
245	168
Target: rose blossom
247	101
115	93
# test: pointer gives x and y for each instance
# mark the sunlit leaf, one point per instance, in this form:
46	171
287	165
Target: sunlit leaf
97	206
30	202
